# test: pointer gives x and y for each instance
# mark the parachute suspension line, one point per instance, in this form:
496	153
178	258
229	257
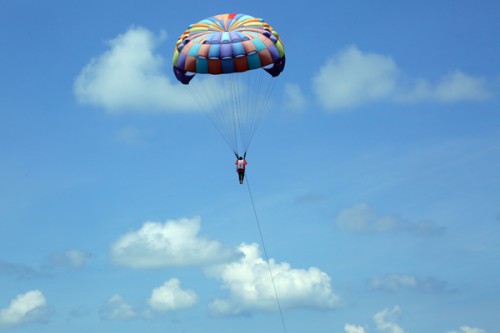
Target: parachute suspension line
251	106
267	92
208	99
250	109
263	85
226	114
278	303
235	104
228	108
237	110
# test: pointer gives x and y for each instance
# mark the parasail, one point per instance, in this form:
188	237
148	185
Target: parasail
235	59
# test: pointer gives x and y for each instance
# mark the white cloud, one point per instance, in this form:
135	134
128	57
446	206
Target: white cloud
19	271
173	243
352	78
459	86
130	76
396	282
170	296
362	218
423	227
393	282
70	258
117	309
294	97
131	135
27	307
385	320
467	329
251	288
453	87
349	328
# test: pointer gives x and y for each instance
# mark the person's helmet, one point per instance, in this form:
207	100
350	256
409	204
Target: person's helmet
240	158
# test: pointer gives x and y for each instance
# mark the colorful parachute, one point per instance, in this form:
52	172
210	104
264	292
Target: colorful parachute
233	50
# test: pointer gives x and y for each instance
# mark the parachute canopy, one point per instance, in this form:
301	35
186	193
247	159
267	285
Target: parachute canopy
239	57
228	43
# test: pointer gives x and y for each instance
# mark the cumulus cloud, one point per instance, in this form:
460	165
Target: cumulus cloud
467	329
362	218
70	258
352	78
393	282
67	259
27	307
170	296
385	320
131	135
250	286
424	227
131	76
396	282
349	328
117	308
173	243
294	97
453	87
19	271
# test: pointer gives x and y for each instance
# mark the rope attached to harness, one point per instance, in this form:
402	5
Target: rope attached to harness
266	256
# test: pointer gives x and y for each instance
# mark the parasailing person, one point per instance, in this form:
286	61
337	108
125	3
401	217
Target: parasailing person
241	164
229	63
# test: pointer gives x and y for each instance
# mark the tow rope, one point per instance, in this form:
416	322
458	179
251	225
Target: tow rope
265	255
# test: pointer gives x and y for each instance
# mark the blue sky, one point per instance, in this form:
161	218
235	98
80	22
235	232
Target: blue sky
374	173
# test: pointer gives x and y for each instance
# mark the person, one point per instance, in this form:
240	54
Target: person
240	168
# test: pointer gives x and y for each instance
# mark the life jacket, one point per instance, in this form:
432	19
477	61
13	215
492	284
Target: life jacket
240	164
